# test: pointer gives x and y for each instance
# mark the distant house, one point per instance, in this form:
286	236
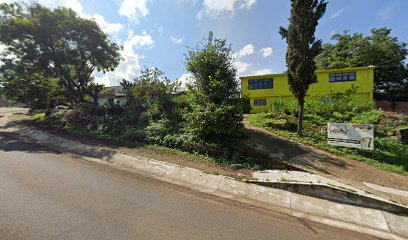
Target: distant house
114	94
262	89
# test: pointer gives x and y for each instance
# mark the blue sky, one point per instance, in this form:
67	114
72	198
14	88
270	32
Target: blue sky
156	33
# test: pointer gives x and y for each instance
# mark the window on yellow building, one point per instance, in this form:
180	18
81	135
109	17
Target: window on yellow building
342	77
260	84
259	102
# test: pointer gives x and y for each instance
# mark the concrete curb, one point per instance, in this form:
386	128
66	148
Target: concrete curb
321	187
369	221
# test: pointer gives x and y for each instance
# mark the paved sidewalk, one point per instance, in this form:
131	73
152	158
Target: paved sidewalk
373	222
357	174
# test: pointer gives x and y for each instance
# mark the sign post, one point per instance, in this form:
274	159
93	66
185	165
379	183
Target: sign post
351	135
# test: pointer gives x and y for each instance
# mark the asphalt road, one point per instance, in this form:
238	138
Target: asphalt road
50	195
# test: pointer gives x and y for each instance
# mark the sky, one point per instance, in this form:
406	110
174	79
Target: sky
157	33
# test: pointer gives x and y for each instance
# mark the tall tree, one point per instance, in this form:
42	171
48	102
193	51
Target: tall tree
216	108
302	48
57	43
153	91
36	90
380	49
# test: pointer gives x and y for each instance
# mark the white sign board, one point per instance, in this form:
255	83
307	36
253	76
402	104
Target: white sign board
351	135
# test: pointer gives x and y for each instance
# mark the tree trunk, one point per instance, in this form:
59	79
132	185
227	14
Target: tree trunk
301	108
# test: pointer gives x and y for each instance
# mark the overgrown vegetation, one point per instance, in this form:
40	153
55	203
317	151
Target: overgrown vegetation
215	110
50	55
204	120
389	153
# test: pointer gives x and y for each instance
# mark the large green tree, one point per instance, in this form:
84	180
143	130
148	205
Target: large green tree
380	49
151	92
57	44
302	48
216	107
34	89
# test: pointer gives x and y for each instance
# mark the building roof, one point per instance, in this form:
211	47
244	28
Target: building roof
317	71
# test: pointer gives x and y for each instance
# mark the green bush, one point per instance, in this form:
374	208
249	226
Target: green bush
372	117
182	141
73	118
283	107
156	131
56	119
134	134
284	122
215	109
215	123
39	117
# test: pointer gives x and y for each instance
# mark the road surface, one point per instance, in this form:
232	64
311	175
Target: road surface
50	195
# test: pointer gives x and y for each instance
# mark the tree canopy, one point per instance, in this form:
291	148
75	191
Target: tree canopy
152	92
380	49
302	48
58	44
216	107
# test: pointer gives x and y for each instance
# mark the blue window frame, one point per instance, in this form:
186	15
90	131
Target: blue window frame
259	102
260	84
343	77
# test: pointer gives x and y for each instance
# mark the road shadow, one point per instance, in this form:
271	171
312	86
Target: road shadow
12	143
275	150
17	141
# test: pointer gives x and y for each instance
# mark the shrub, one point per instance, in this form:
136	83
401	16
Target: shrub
56	119
134	134
283	122
156	131
283	107
215	123
216	108
182	141
73	118
372	117
39	117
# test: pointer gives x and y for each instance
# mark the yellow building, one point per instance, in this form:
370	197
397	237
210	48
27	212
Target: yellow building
262	89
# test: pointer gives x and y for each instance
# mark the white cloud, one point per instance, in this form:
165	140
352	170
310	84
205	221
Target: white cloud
138	41
266	52
336	14
73	4
247	4
213	8
262	71
246	50
242	67
133	9
176	40
107	27
129	67
184	80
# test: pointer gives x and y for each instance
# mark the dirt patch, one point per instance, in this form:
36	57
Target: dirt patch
137	149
